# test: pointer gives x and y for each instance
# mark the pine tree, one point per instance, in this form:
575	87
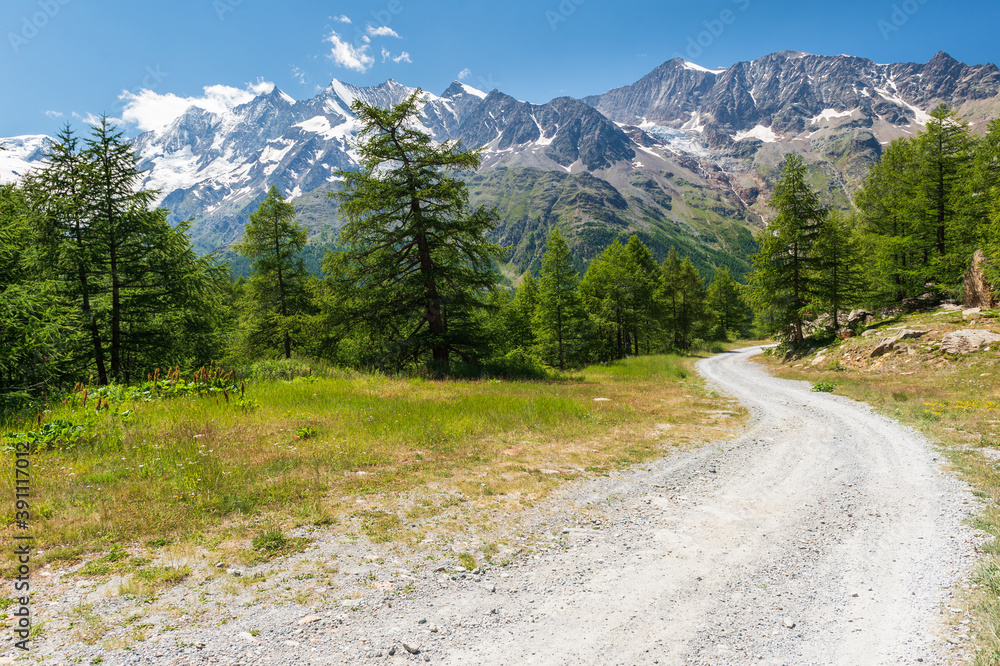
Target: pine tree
606	293
38	330
726	304
276	296
683	298
782	279
887	207
522	311
143	295
417	264
559	316
646	283
839	283
944	225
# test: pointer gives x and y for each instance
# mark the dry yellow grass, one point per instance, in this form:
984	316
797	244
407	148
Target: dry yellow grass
330	451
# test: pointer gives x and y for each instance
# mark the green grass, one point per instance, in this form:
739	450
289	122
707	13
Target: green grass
161	471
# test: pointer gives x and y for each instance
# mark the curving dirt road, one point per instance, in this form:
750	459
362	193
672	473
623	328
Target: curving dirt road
823	534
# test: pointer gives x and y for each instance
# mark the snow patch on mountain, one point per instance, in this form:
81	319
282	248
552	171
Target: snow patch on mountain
761	133
831	114
21	154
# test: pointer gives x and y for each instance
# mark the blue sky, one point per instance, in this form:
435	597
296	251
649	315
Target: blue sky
64	60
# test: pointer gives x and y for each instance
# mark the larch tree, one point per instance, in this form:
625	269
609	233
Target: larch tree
559	315
726	304
782	280
276	296
417	264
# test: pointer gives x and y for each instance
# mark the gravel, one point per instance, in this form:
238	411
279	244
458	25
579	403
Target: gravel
821	534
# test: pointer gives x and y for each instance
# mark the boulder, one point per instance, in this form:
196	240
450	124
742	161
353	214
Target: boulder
845	333
969	340
858	317
886	345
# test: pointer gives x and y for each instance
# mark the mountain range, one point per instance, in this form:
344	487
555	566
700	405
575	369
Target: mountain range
684	157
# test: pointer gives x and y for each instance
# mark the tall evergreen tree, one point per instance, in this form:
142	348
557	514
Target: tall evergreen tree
945	223
417	262
276	296
522	311
888	210
782	279
38	331
683	297
839	282
142	293
559	316
726	304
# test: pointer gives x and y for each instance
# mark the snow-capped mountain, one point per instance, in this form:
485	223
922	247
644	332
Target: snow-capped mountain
20	153
682	156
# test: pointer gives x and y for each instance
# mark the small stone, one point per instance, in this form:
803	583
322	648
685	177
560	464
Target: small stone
422	620
391	651
854	594
491	587
411	650
789	624
234	572
246	635
220	564
309	619
291	644
434	629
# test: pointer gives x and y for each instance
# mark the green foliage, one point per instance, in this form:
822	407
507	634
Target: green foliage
683	295
726	309
276	297
839	282
783	281
559	316
619	291
921	209
416	267
823	387
142	296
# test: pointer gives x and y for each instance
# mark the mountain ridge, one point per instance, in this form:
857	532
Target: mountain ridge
691	152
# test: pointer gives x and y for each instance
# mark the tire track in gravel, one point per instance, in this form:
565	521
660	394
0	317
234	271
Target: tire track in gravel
825	534
822	534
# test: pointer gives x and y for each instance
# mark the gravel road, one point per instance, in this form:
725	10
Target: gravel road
822	534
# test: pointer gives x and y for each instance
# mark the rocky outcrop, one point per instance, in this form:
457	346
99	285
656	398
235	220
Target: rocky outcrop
886	345
967	341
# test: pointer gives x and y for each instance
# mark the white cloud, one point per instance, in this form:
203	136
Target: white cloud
53	114
262	87
383	31
91	119
149	110
464	74
342	19
348	55
402	57
299	75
